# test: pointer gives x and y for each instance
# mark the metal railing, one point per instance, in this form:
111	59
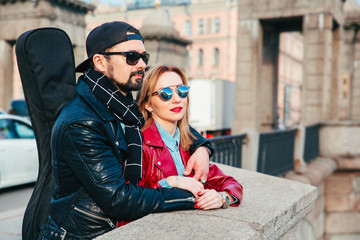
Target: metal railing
276	152
311	148
228	149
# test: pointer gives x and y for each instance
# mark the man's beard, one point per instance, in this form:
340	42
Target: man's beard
129	85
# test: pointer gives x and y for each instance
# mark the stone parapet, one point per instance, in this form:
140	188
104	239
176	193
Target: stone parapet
340	138
271	209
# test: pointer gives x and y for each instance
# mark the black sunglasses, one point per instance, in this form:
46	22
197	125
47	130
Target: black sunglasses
166	93
132	58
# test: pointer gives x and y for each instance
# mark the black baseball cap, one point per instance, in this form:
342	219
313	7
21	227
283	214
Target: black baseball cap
105	36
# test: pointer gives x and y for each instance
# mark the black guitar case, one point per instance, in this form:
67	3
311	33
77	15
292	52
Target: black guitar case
46	64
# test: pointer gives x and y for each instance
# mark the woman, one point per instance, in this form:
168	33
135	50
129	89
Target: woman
164	101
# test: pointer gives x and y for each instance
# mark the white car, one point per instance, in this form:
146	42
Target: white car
18	152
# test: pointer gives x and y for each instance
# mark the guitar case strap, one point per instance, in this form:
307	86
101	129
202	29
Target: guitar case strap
46	64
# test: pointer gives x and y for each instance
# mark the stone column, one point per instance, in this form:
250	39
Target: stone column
318	38
6	74
355	80
247	105
346	66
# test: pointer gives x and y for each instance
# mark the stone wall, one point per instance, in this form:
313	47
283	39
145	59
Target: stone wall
340	138
336	214
342	205
271	209
260	21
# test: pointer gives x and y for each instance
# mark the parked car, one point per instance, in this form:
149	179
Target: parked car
18	151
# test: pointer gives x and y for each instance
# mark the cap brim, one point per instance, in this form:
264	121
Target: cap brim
83	66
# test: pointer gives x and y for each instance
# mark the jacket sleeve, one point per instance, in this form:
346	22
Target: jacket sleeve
100	172
223	183
201	142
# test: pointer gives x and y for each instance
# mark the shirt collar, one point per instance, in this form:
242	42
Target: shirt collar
171	142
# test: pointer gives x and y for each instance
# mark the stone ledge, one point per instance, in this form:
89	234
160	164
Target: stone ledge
348	162
316	171
271	207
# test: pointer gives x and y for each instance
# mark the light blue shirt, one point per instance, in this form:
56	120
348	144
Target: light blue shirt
172	143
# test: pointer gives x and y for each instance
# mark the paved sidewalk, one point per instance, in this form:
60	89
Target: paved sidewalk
11	223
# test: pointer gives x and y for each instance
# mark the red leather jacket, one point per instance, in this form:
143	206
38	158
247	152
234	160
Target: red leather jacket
158	164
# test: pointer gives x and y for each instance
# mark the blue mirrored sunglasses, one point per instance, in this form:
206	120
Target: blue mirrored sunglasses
166	93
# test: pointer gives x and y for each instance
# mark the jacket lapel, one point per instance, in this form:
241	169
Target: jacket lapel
165	161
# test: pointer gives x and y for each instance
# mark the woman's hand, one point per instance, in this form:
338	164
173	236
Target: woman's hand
186	183
209	199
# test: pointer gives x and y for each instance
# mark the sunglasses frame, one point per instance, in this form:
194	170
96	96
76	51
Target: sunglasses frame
144	56
172	91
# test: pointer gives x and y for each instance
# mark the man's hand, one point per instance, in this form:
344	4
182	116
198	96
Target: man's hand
199	161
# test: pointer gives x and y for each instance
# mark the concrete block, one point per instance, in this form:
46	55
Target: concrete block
317	210
244	82
312	66
348	163
339	203
342	236
313	36
304	231
297	177
244	96
245	55
357	202
271	207
312	97
313	82
318	225
339	183
314	51
245	69
312	21
342	222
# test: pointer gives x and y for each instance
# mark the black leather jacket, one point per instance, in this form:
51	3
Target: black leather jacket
88	147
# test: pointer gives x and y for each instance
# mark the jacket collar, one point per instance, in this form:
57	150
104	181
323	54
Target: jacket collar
88	96
152	136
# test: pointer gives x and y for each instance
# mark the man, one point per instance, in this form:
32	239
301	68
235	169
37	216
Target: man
97	145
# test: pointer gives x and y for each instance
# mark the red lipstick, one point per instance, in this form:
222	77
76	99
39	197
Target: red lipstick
176	110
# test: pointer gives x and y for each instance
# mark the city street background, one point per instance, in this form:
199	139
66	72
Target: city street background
12	208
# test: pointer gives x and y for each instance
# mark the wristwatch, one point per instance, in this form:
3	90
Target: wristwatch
225	200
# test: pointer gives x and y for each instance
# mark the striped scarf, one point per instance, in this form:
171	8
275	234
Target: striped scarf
125	109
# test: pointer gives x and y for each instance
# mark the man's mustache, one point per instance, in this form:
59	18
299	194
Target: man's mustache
139	72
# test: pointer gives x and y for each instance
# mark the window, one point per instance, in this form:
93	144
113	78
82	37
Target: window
187	28
200	57
5	131
201	26
23	130
216	57
217	25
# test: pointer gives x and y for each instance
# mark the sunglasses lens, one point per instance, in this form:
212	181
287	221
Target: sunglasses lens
166	94
183	91
132	58
145	57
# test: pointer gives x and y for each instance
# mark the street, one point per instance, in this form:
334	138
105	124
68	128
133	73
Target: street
13	203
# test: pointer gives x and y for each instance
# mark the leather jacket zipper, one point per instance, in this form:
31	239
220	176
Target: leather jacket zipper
189	199
108	220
